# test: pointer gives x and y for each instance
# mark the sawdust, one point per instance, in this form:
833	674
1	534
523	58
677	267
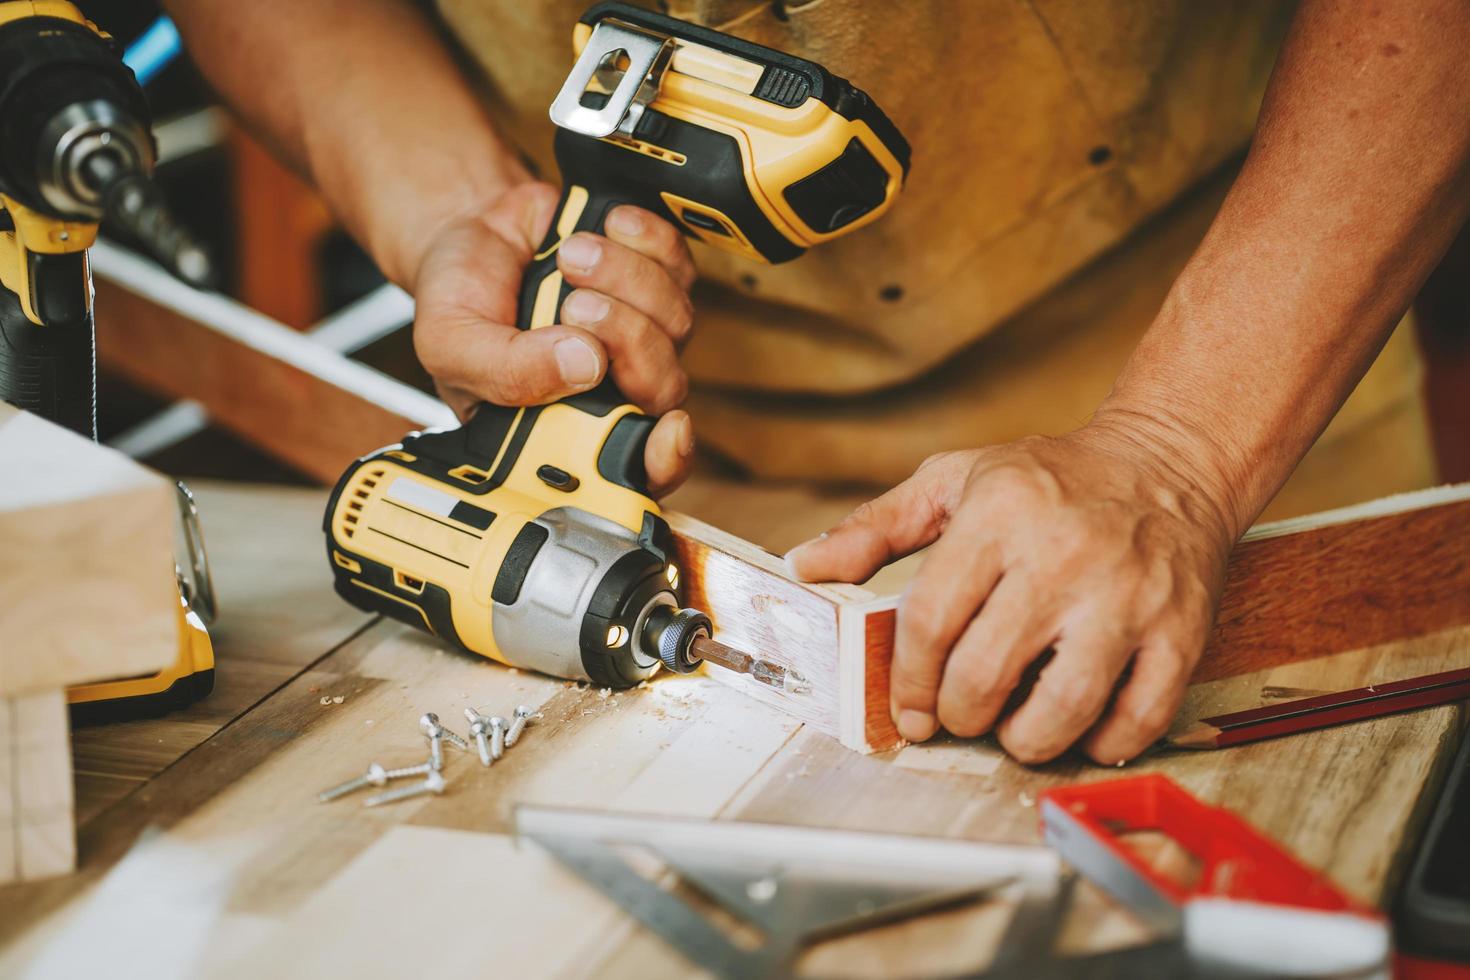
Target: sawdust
605	693
1025	799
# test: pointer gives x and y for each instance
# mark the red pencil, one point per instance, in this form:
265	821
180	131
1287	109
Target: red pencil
1324	710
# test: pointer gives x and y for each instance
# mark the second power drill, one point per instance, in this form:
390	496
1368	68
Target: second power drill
75	149
528	535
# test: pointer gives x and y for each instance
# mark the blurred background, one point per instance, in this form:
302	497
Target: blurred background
279	251
276	247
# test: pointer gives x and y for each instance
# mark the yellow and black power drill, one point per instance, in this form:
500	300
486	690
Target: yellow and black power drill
528	535
75	147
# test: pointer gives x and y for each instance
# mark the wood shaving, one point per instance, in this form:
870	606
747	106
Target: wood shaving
338	699
326	699
1025	799
605	693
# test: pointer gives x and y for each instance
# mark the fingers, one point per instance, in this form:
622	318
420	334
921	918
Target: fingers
957	575
1146	706
1071	694
525	218
900	522
649	235
669	453
645	364
622	273
987	662
507	366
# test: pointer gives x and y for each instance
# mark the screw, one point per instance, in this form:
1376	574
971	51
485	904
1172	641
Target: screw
376	775
523	715
497	737
437	734
422	769
434	783
479	725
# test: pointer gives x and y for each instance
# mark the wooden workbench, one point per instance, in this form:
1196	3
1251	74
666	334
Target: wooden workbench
203	852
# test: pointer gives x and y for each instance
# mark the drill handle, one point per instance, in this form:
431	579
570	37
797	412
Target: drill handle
542	292
542	287
49	370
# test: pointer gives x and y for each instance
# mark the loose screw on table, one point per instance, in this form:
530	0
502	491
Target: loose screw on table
479	729
523	715
497	737
437	734
434	783
376	775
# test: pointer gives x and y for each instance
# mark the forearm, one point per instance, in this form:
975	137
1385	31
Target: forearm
1356	183
363	98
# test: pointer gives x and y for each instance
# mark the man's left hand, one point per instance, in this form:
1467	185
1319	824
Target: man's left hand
1094	544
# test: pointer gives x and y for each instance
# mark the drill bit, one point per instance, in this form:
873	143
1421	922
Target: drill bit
786	679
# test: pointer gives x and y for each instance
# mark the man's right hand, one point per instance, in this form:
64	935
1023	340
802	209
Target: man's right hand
629	313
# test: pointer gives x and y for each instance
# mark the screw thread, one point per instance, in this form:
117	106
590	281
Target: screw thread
418	770
484	748
497	742
456	741
436	752
516	727
342	789
394	795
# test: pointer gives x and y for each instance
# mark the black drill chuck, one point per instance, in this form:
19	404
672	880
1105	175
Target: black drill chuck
75	140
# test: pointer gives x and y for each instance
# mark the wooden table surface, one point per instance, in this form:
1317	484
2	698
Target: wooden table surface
204	853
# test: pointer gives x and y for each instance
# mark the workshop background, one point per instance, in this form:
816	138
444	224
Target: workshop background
279	251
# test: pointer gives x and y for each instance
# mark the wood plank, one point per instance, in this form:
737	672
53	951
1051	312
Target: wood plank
303	403
87	587
1301	588
34	741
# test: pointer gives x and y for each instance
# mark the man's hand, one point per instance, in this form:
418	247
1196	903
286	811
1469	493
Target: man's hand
1090	544
629	314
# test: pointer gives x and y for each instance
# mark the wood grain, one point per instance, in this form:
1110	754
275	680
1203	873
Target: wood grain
1314	587
36	814
879	733
277	614
313	426
756	606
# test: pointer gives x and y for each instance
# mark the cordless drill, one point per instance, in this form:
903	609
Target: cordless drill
528	535
75	147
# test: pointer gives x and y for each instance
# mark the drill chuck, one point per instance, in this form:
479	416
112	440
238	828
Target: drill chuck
75	141
672	632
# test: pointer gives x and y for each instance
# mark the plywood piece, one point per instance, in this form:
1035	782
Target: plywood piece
38	752
86	561
756	606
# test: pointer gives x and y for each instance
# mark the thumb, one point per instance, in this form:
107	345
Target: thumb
501	364
900	522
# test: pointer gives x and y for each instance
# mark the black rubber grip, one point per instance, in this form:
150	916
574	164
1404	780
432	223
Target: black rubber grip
517	563
50	370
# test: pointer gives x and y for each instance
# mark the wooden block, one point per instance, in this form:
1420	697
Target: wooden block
36	743
87	586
